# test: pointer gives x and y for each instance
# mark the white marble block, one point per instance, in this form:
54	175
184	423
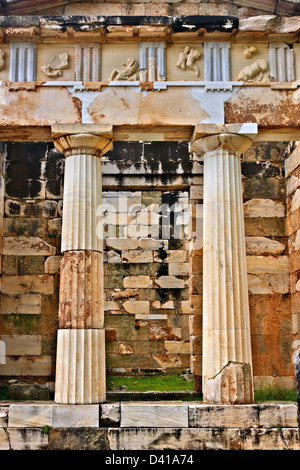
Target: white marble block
281	60
80	367
22	67
87	62
152	56
217	62
153	414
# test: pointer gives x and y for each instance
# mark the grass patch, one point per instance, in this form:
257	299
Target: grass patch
169	383
3	393
275	394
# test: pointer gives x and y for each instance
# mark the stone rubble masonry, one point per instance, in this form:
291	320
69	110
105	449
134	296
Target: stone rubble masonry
148	426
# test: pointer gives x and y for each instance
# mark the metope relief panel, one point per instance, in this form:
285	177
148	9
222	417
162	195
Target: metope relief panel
281	58
87	62
217	62
55	67
152	61
22	62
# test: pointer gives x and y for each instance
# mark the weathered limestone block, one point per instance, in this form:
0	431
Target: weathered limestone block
137	256
160	333
292	162
30	415
19	345
173	256
267	264
147	415
137	306
24	304
81	303
113	257
110	413
26	246
4	440
263	246
170	282
111	305
268	283
52	264
30	366
3	416
292	184
126	349
137	282
295	201
150	244
263	208
216	416
80	374
75	416
202	439
284	415
177	347
35	284
27	439
121	244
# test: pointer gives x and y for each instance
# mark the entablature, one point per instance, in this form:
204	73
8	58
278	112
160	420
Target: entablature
150	72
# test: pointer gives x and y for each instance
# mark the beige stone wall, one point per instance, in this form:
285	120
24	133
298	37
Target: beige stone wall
268	263
292	172
30	259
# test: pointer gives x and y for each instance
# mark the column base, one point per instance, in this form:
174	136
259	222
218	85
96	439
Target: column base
233	385
80	367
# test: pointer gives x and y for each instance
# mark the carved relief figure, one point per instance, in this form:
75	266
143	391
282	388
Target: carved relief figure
249	51
187	59
2	61
55	70
254	71
130	73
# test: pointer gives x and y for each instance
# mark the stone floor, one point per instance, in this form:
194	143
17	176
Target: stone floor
148	425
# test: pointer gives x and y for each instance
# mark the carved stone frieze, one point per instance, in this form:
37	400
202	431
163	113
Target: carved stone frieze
130	72
54	70
255	71
249	51
187	58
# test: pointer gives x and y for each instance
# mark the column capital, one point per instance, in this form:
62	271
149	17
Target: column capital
88	139
234	137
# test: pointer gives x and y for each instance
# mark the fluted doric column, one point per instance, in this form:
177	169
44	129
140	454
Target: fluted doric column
227	359
80	361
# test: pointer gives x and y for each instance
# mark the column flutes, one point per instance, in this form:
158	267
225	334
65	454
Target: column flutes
80	361
227	358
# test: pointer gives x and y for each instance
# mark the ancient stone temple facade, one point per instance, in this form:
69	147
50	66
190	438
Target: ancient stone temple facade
150	194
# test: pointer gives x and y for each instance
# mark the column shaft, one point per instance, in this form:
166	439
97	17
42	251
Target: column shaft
227	360
226	327
80	362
